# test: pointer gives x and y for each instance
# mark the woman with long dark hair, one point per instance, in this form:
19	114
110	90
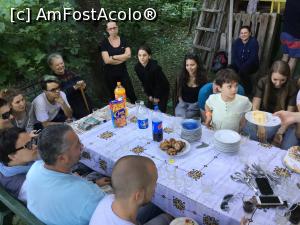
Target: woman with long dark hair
274	92
191	79
156	85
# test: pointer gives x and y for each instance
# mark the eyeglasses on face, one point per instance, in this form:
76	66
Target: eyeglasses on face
5	115
54	89
28	145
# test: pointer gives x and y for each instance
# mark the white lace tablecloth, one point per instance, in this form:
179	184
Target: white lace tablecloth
178	193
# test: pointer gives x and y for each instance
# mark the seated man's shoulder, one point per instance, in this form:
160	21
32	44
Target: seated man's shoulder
103	214
40	99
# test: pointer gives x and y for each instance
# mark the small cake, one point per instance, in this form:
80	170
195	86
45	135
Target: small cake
259	117
292	159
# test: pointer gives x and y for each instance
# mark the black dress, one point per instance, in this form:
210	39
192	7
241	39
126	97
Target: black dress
154	82
115	73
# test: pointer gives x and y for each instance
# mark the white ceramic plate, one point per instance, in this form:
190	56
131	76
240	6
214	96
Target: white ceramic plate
185	150
227	136
182	221
271	120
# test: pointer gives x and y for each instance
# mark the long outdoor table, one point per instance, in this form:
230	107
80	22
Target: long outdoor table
194	184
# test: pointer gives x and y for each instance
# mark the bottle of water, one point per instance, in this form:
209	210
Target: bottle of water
157	128
142	116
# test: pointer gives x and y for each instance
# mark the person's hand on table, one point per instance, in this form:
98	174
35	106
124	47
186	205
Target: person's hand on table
261	134
103	181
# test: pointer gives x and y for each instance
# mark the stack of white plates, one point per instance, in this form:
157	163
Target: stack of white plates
227	141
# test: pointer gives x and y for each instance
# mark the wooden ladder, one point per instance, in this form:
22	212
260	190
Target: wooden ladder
210	25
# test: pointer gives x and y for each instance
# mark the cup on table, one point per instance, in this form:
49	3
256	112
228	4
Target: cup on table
280	216
245	137
207	184
248	206
94	111
138	103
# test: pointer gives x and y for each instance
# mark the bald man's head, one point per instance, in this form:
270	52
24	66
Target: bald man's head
131	174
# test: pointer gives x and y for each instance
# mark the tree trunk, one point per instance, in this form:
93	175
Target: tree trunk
97	76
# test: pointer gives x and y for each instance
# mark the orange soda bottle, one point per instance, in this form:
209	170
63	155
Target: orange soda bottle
120	92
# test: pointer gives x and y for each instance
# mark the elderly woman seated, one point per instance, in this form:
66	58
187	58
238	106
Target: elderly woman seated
72	85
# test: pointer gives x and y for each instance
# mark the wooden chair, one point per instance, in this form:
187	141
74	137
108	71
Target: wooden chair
264	27
10	206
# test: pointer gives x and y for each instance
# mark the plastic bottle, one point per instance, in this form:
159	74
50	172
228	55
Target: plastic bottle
157	128
120	92
142	116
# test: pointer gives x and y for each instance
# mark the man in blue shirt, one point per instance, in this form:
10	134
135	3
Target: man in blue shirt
212	88
54	195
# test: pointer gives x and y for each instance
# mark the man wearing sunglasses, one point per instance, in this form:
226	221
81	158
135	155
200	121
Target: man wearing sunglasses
5	115
17	152
51	106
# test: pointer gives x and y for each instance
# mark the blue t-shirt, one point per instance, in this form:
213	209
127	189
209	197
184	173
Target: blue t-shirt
207	90
60	199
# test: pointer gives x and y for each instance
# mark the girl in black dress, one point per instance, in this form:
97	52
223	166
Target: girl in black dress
154	81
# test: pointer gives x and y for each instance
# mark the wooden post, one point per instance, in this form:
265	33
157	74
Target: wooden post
230	15
84	99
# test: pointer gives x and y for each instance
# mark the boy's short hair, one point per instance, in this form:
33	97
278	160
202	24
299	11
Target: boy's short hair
226	76
48	79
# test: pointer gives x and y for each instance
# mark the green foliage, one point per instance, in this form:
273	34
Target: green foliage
25	46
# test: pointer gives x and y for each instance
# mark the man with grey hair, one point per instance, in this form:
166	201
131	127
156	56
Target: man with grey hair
72	85
54	195
133	180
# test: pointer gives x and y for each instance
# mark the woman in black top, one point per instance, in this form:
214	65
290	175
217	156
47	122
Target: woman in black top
191	79
154	81
115	52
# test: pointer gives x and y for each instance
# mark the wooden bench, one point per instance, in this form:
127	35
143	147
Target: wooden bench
10	206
